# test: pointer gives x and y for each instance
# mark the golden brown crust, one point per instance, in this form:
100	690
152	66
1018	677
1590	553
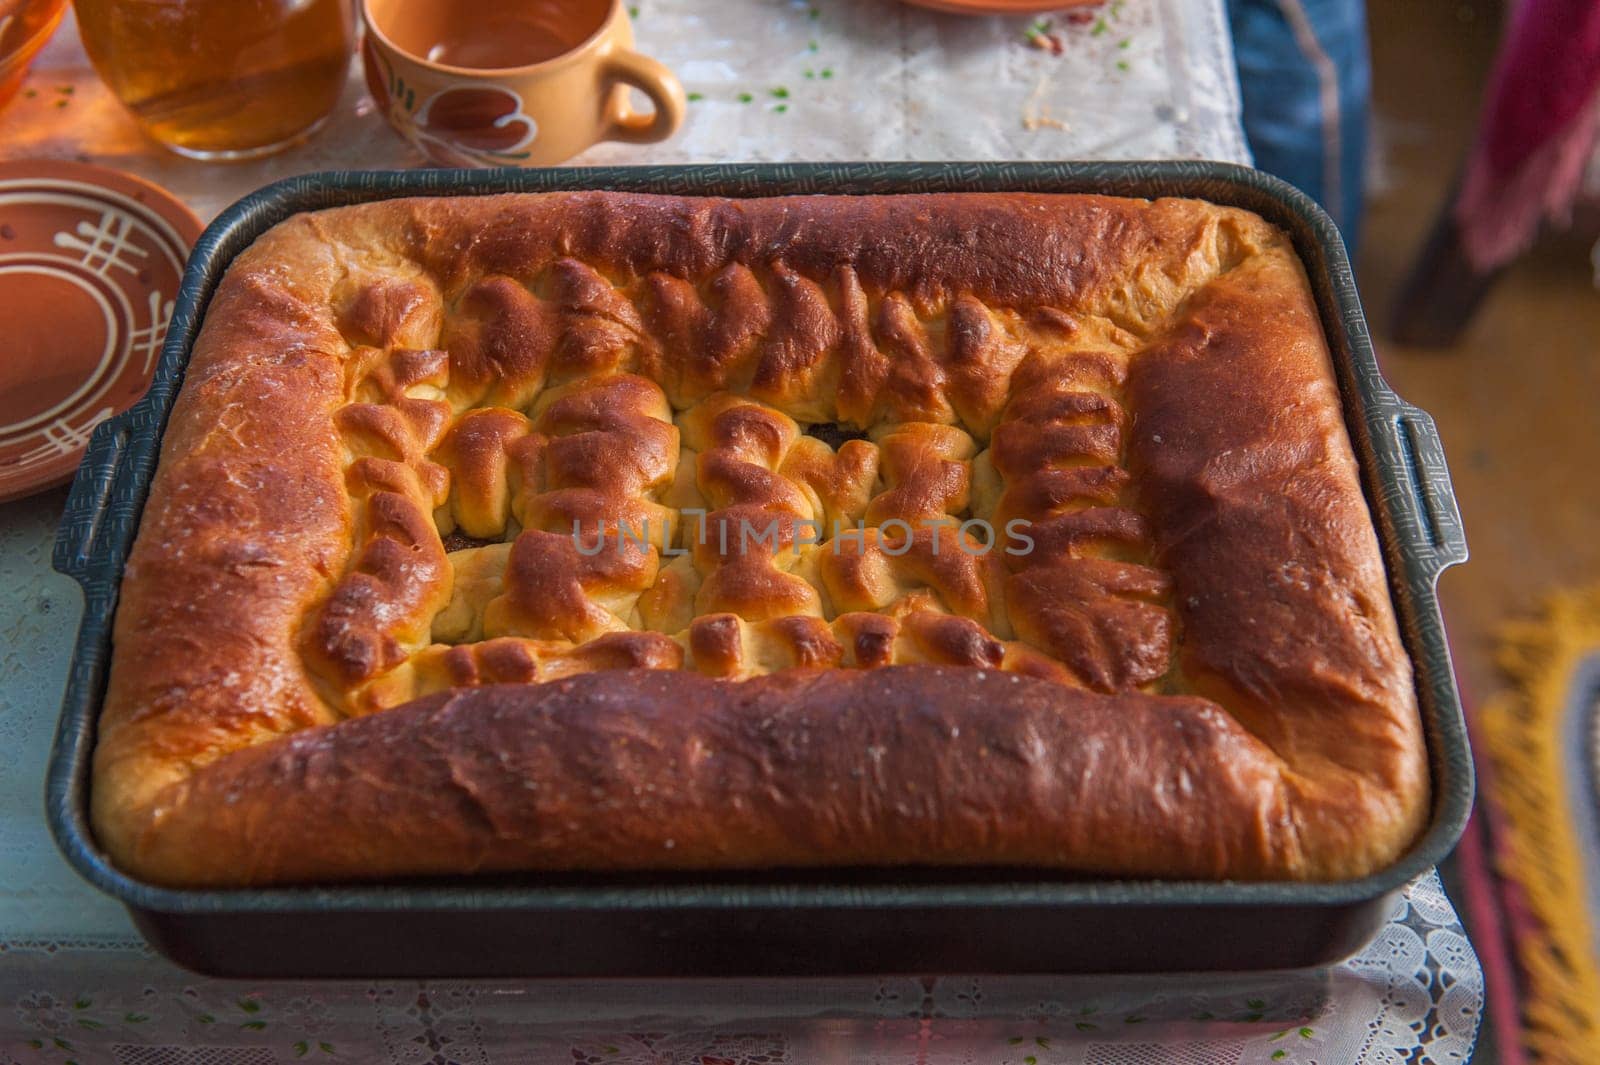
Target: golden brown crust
398	414
648	769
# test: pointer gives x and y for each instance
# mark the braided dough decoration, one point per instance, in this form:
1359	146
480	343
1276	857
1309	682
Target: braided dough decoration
593	531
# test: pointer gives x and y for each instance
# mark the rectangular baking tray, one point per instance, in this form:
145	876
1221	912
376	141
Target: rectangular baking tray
820	922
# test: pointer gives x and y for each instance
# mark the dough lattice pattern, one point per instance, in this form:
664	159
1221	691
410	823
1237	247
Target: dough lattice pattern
612	503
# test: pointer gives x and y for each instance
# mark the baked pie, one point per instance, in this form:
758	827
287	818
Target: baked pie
588	531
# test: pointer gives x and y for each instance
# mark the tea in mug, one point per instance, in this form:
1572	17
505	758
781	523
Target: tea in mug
500	36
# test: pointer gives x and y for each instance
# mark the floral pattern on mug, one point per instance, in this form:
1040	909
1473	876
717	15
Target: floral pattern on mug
485	119
460	125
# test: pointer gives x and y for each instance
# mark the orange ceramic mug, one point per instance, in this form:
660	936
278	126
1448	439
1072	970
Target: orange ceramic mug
514	82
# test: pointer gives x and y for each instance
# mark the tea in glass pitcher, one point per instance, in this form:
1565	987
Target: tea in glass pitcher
25	26
221	79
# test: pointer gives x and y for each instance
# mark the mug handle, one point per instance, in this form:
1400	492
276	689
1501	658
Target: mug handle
655	81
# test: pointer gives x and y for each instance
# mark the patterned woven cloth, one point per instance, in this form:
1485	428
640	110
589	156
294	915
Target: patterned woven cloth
1536	911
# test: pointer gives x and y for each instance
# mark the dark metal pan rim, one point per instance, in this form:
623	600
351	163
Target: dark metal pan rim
1414	559
708	892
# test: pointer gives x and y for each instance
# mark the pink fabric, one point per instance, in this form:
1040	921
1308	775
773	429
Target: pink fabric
1539	125
1482	903
1492	919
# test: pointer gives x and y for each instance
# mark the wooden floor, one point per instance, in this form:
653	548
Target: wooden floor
1518	401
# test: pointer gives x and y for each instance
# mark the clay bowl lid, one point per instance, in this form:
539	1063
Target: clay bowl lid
90	261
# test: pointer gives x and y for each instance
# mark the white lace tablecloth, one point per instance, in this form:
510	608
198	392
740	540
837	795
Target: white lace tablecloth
772	80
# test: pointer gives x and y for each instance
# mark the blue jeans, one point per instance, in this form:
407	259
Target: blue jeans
1306	82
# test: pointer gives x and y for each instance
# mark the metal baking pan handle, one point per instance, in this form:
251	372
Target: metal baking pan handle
1428	503
104	466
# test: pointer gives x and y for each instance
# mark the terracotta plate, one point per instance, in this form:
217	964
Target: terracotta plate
90	261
